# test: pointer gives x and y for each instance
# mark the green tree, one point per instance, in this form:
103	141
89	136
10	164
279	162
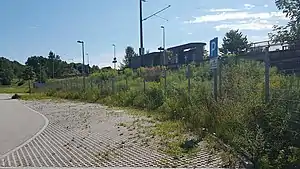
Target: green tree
290	32
95	69
51	63
17	69
6	71
129	53
28	75
234	42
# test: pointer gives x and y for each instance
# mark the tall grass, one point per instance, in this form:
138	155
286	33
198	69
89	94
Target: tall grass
261	131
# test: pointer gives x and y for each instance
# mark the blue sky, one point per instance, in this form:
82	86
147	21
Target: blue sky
34	27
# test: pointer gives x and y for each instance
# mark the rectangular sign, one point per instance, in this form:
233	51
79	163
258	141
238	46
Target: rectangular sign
213	48
213	63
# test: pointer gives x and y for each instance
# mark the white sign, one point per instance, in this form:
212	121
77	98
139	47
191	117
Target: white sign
213	63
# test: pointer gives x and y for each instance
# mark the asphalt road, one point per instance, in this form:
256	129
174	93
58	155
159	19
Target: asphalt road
17	123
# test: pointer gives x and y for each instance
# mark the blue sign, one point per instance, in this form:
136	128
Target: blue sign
213	48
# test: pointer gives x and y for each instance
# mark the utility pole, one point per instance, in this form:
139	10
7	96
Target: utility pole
83	69
141	50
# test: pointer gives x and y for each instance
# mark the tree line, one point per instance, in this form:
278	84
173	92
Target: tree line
40	68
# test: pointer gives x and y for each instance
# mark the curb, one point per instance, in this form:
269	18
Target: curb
30	139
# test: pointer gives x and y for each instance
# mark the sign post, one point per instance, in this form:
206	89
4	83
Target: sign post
213	56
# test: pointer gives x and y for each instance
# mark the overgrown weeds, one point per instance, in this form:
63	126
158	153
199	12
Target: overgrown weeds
267	134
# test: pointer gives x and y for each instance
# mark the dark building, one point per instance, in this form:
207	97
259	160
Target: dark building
187	53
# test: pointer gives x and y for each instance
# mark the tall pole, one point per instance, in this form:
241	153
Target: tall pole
114	59
141	51
164	55
53	68
83	67
40	72
164	44
88	62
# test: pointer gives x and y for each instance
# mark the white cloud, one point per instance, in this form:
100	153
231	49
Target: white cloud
223	10
247	25
249	6
266	5
237	16
33	27
190	33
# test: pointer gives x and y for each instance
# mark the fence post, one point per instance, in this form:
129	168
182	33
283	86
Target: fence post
188	75
267	75
101	88
215	87
144	85
113	85
220	76
165	72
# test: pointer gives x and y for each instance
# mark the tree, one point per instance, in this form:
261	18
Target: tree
17	69
95	69
290	32
29	75
129	53
234	42
6	71
50	64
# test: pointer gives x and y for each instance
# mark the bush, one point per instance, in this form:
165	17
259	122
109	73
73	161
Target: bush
16	96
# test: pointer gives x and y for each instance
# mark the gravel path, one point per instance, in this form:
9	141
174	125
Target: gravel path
91	135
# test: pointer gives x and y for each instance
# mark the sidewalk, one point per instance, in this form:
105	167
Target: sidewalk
17	123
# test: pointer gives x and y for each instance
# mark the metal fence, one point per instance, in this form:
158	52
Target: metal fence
262	58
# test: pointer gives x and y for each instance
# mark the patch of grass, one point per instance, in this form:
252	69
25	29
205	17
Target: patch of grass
36	96
122	124
172	135
13	89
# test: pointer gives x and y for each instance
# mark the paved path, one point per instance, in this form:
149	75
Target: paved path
90	135
17	124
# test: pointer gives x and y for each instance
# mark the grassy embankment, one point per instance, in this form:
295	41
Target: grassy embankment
262	132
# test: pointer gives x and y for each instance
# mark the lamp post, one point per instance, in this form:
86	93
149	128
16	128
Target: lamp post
88	64
114	59
83	69
164	43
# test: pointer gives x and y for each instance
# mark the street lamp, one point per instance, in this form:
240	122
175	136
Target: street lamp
164	43
141	50
83	69
88	63
114	59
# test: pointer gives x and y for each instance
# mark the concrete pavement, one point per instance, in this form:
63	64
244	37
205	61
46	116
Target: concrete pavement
17	123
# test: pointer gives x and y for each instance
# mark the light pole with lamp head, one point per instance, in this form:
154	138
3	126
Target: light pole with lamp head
83	69
164	43
164	55
114	59
88	63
